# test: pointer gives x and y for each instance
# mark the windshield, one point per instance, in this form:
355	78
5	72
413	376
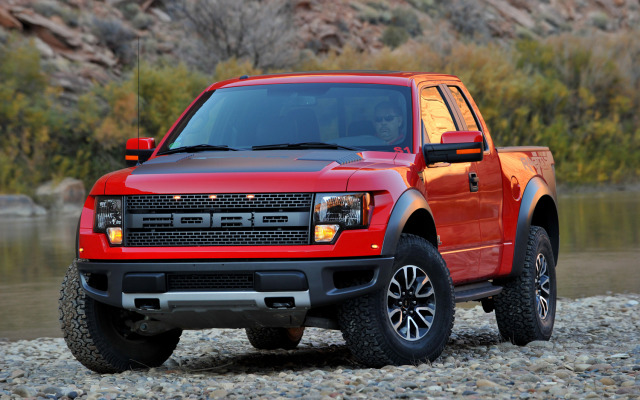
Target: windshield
357	116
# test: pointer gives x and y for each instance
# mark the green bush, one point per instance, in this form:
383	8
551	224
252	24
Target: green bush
394	36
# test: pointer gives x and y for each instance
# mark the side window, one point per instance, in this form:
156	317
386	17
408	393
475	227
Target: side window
467	114
435	114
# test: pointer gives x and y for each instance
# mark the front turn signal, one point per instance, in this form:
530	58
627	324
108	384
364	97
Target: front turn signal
114	235
326	233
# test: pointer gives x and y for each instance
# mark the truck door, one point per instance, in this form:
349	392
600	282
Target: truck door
453	203
489	175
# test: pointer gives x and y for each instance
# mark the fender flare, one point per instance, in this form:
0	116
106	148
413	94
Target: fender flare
535	190
408	203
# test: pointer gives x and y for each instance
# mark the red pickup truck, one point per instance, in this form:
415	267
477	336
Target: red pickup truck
368	202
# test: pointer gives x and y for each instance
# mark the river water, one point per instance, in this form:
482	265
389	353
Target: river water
599	253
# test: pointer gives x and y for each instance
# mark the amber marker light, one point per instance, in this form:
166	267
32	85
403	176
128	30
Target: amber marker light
468	151
374	246
251	196
325	233
213	197
177	197
81	250
114	235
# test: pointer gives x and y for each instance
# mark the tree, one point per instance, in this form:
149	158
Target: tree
260	31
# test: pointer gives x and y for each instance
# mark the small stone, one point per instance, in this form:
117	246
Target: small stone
53	390
607	381
435	388
409	385
622	356
563	374
631	303
540	366
25	391
17	374
599	367
541	344
529	378
581	367
582	359
469	393
220	393
486	383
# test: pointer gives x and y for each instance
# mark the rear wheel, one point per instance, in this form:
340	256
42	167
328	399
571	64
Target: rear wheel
526	308
411	318
101	337
275	338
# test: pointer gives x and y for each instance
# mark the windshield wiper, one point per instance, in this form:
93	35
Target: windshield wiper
198	147
303	145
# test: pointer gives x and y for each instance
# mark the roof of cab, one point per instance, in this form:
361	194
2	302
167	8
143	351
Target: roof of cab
398	78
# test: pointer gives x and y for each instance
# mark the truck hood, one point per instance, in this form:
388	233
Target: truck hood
244	172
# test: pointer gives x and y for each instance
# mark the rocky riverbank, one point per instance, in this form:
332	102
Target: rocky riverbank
594	353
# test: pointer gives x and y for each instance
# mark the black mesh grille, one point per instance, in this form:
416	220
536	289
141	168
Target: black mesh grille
211	281
217	238
229	201
227	219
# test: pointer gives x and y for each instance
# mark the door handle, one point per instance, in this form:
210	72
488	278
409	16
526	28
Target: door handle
473	182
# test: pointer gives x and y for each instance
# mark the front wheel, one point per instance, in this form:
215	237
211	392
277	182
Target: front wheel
410	319
526	308
100	336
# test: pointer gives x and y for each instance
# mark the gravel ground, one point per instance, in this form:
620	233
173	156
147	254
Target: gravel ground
594	353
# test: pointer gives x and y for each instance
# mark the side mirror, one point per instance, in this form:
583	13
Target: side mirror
139	150
455	147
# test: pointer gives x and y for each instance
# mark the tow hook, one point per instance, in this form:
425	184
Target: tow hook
148	327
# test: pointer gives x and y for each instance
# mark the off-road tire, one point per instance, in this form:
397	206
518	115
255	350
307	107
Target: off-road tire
275	338
96	334
519	319
366	321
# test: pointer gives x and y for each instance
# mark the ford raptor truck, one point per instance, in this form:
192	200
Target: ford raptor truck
369	202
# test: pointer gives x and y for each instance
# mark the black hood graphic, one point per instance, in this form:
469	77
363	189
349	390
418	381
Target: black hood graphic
246	161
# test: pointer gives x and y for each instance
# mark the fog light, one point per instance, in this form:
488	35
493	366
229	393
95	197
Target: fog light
114	235
326	233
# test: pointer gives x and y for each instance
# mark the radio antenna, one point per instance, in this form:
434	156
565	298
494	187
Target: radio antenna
138	107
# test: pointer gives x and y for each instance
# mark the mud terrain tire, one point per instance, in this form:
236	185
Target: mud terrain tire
97	334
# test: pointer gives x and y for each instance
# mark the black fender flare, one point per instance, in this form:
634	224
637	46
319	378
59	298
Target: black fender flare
536	189
408	203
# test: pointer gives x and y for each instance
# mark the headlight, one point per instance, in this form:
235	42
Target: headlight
108	218
333	212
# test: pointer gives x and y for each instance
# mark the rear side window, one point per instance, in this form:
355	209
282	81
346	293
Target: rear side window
467	114
435	114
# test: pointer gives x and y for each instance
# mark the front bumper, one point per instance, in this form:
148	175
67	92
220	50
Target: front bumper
281	290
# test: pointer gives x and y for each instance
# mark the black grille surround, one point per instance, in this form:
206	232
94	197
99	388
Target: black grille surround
228	219
210	281
226	201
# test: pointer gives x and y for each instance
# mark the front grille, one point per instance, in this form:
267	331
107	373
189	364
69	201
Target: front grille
217	238
228	219
228	201
211	281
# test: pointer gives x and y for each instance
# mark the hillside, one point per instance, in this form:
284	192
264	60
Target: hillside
556	73
83	41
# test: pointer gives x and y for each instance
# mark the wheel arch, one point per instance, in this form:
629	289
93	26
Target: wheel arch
538	207
411	214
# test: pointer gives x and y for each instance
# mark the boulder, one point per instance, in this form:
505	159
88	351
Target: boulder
8	21
65	196
54	34
19	205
